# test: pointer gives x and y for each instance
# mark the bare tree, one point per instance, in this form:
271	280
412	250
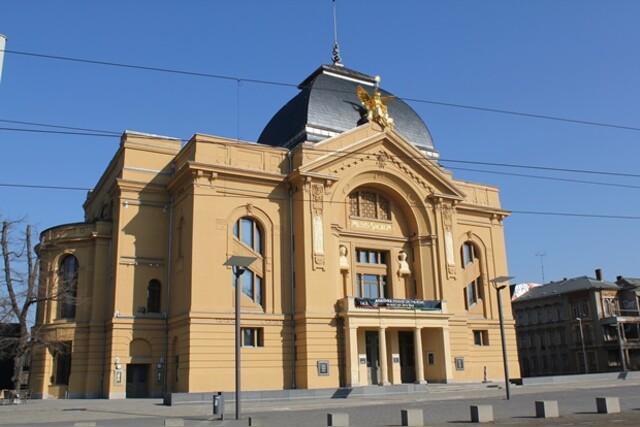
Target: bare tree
19	294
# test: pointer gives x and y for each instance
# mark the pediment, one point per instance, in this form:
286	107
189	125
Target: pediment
366	148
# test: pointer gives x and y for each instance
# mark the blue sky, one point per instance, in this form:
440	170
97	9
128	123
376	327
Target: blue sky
566	59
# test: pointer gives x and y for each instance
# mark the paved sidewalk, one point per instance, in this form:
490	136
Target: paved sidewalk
443	405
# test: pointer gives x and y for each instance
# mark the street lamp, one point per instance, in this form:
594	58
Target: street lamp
3	43
584	352
496	284
239	264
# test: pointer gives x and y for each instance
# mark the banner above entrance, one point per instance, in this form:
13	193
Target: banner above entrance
407	304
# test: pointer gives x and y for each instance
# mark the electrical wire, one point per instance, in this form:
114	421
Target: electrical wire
354	154
284	84
272	197
550	178
58	126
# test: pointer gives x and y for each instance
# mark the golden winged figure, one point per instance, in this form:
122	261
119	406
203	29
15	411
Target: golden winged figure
375	106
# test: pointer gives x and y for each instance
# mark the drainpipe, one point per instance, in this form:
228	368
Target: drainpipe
166	305
292	280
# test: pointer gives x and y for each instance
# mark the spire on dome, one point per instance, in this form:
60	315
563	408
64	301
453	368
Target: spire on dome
335	57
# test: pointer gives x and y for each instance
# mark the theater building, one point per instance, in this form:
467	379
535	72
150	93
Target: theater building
373	264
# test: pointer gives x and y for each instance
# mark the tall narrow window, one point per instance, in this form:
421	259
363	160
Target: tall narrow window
249	232
154	290
62	362
68	286
470	256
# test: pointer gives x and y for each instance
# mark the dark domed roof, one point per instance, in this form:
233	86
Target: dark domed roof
328	105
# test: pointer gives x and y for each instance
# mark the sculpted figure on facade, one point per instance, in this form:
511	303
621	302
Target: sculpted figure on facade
403	267
375	105
344	261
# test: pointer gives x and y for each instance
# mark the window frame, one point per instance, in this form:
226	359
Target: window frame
253	284
67	295
469	253
481	337
371	263
382	205
256	240
62	364
154	296
255	337
252	288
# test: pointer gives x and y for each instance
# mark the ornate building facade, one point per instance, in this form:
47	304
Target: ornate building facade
372	263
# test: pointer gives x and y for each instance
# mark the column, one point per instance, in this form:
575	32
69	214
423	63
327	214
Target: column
352	357
446	350
382	350
417	345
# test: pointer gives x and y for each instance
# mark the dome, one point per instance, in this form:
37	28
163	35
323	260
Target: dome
328	105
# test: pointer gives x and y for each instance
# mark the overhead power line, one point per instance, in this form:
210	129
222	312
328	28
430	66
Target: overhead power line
265	196
60	132
549	178
44	187
19	122
284	84
357	154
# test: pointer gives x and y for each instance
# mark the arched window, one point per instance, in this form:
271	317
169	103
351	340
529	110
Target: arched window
369	204
470	256
154	290
249	232
68	286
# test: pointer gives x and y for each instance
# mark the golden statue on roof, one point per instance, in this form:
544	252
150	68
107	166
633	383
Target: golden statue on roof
376	105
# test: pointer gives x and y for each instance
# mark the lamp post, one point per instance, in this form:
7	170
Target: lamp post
496	284
584	352
239	264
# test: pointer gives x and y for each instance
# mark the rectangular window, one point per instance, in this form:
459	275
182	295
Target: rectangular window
584	308
252	337
247	232
481	338
431	358
62	361
370	286
470	295
247	283
258	290
364	256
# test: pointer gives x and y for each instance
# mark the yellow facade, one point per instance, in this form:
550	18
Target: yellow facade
373	266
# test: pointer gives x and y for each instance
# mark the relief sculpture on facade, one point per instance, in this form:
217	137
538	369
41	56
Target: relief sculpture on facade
317	198
447	222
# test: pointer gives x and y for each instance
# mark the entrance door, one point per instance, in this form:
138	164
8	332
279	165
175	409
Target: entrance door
373	357
407	357
137	381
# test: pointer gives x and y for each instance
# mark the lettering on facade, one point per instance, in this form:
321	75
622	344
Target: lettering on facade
358	224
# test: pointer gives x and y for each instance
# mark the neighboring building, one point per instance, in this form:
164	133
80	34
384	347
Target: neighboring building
554	322
373	264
